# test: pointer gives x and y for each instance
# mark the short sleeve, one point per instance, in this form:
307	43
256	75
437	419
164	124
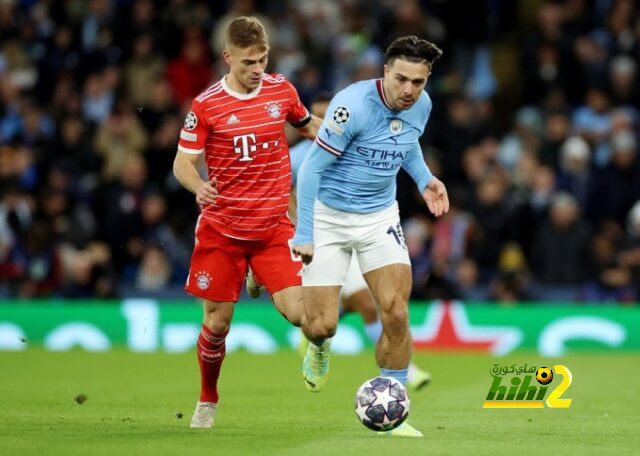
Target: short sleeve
195	130
341	123
298	115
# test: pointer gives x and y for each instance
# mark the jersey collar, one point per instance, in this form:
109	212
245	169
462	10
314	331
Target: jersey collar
239	95
381	94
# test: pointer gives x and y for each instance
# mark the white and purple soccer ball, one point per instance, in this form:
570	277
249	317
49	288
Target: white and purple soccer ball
382	403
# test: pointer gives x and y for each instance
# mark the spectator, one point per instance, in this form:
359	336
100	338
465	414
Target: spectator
154	273
190	73
617	186
120	137
575	175
560	244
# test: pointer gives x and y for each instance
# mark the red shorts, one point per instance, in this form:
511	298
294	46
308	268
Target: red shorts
219	263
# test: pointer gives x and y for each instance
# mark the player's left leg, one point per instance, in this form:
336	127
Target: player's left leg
384	259
278	270
391	286
363	303
356	297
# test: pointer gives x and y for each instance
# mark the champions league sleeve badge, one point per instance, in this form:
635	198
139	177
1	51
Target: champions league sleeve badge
190	121
341	115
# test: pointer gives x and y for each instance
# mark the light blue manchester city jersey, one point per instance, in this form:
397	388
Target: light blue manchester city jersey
359	149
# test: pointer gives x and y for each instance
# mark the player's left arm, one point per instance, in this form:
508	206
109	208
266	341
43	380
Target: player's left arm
310	130
299	116
431	188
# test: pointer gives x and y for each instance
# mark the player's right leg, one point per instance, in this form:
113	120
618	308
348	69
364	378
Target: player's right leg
211	349
280	271
218	267
321	283
356	296
319	326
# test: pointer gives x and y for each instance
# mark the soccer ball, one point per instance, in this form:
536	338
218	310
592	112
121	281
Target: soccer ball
382	403
544	375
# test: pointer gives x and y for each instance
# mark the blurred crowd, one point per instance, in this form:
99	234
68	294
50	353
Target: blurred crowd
534	130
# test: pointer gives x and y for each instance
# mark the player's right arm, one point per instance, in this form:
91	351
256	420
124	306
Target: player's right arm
193	137
296	154
185	168
337	131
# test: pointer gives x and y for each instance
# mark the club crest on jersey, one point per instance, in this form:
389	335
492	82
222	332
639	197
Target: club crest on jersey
190	121
273	109
203	280
395	126
341	115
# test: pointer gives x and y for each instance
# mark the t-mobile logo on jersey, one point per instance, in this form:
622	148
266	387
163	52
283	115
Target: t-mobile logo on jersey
245	144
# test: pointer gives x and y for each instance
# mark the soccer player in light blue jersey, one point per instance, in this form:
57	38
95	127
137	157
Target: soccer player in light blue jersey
346	205
354	294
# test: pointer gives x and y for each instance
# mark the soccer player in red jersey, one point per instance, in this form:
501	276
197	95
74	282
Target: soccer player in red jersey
238	124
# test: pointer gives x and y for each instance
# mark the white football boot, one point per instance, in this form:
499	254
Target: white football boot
204	415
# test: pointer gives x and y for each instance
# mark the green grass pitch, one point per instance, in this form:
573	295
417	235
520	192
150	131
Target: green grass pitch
133	402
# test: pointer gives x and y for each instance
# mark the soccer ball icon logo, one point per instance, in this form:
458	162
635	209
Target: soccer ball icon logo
382	403
341	115
190	121
544	375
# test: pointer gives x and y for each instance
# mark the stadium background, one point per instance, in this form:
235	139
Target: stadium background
534	131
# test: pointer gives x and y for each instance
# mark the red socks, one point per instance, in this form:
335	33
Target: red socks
211	351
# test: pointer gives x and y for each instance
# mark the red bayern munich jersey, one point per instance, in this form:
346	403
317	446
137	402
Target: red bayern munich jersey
242	137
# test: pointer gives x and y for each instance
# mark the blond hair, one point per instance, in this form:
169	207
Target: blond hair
245	31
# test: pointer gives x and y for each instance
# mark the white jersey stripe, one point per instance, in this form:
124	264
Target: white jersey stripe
275	198
249	126
214	89
189	151
327	147
253	209
211	216
250	166
275	179
217	106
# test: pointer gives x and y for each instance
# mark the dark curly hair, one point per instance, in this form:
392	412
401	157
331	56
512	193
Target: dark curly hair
413	49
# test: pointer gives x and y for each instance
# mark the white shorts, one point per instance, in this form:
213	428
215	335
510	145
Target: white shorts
353	282
375	239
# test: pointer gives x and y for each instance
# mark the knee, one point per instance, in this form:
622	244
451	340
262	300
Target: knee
296	319
216	323
396	319
320	329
